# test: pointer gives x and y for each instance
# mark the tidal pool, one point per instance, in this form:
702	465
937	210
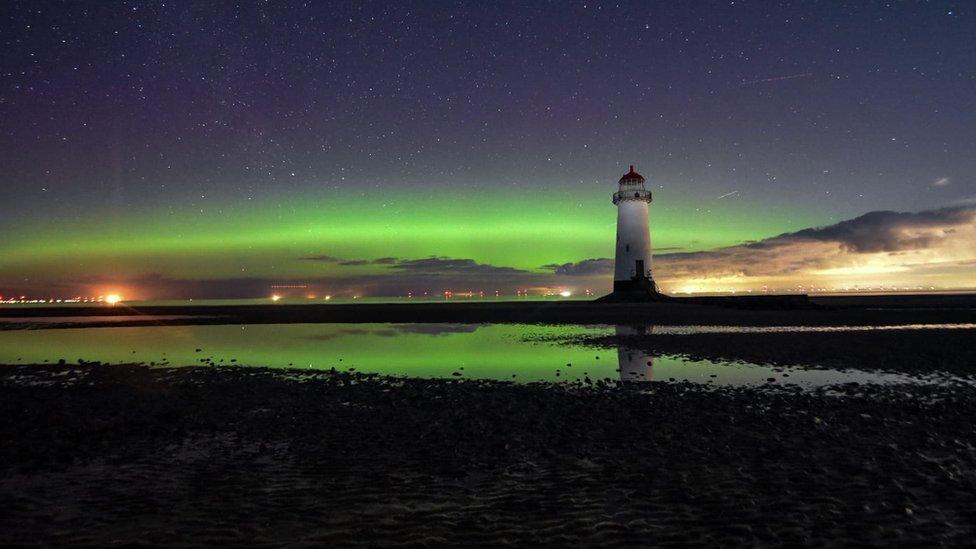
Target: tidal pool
515	352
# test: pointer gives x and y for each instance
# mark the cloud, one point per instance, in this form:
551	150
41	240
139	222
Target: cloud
349	262
889	231
322	258
448	266
942	182
586	267
433	265
394	277
389	283
379	261
878	245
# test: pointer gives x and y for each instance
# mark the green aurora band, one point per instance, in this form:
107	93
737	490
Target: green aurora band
521	228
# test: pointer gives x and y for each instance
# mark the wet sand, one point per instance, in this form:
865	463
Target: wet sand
213	455
914	352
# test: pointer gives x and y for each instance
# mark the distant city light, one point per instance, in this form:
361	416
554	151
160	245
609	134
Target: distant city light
692	287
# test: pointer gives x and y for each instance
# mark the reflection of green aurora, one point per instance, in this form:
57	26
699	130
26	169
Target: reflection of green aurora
496	351
523	353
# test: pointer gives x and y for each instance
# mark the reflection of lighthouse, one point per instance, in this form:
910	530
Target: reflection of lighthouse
635	365
632	277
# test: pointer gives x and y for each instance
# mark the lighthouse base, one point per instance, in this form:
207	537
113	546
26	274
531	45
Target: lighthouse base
634	290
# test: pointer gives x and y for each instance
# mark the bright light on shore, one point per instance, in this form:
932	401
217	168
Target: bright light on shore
275	298
112	299
565	293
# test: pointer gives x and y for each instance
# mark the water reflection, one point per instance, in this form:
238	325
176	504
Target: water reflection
511	352
707	329
635	365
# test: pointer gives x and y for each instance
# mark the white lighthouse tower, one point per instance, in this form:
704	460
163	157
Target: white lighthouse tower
632	275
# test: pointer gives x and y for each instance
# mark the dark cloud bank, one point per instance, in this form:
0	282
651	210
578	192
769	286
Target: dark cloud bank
429	266
947	231
889	231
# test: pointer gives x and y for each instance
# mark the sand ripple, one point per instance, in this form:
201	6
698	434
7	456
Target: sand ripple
216	455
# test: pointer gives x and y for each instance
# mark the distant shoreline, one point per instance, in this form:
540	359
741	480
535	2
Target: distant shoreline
727	311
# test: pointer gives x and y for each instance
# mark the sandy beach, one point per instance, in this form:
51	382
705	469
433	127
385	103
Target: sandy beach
129	454
915	352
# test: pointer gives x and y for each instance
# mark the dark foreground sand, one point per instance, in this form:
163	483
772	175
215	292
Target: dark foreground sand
210	455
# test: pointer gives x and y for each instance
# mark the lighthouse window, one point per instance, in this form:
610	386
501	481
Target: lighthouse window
627	247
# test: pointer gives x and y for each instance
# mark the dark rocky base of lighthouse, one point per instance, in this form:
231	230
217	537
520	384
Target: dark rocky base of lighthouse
123	455
636	290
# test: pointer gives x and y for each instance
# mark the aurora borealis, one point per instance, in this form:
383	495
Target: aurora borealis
171	150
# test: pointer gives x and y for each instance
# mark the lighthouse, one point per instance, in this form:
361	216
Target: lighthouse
633	279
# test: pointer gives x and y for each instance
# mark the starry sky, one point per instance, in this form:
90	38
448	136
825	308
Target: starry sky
216	149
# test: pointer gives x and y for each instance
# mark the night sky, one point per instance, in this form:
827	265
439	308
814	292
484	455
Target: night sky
216	149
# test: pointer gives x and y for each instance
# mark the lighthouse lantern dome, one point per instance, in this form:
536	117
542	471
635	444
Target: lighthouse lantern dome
632	177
